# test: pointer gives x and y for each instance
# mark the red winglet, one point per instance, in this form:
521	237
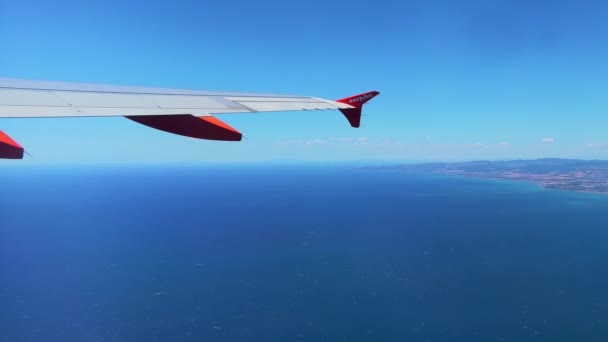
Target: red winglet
9	148
353	115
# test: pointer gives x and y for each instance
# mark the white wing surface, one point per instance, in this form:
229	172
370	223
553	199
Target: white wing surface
24	98
179	111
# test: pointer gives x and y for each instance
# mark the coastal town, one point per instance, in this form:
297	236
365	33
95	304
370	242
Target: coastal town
559	174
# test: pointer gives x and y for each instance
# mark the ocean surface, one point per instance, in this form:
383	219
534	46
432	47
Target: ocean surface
295	253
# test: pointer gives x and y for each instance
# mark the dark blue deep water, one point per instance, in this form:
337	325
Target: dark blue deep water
298	253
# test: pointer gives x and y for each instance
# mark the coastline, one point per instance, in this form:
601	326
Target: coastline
538	185
569	175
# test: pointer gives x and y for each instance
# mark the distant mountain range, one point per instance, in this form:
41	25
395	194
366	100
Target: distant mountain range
559	174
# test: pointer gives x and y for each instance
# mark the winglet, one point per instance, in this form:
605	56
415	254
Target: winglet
353	115
9	148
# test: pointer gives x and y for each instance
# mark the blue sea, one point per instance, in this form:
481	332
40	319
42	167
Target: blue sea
295	253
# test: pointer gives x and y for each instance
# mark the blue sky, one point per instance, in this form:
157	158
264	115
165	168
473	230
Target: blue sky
459	79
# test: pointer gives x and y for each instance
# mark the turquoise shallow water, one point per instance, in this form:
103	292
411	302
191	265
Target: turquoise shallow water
252	253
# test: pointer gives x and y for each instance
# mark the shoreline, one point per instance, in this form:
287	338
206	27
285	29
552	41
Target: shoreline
521	180
571	175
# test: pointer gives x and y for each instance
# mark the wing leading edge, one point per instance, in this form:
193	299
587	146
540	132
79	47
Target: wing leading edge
179	111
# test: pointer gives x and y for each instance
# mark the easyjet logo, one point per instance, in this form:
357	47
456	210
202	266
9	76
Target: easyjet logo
361	98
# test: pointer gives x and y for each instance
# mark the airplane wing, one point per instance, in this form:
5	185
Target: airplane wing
178	111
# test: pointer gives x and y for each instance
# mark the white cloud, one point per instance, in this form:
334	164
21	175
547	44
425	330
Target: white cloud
361	141
341	139
547	140
389	142
316	142
325	141
343	142
303	142
503	144
289	142
594	145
